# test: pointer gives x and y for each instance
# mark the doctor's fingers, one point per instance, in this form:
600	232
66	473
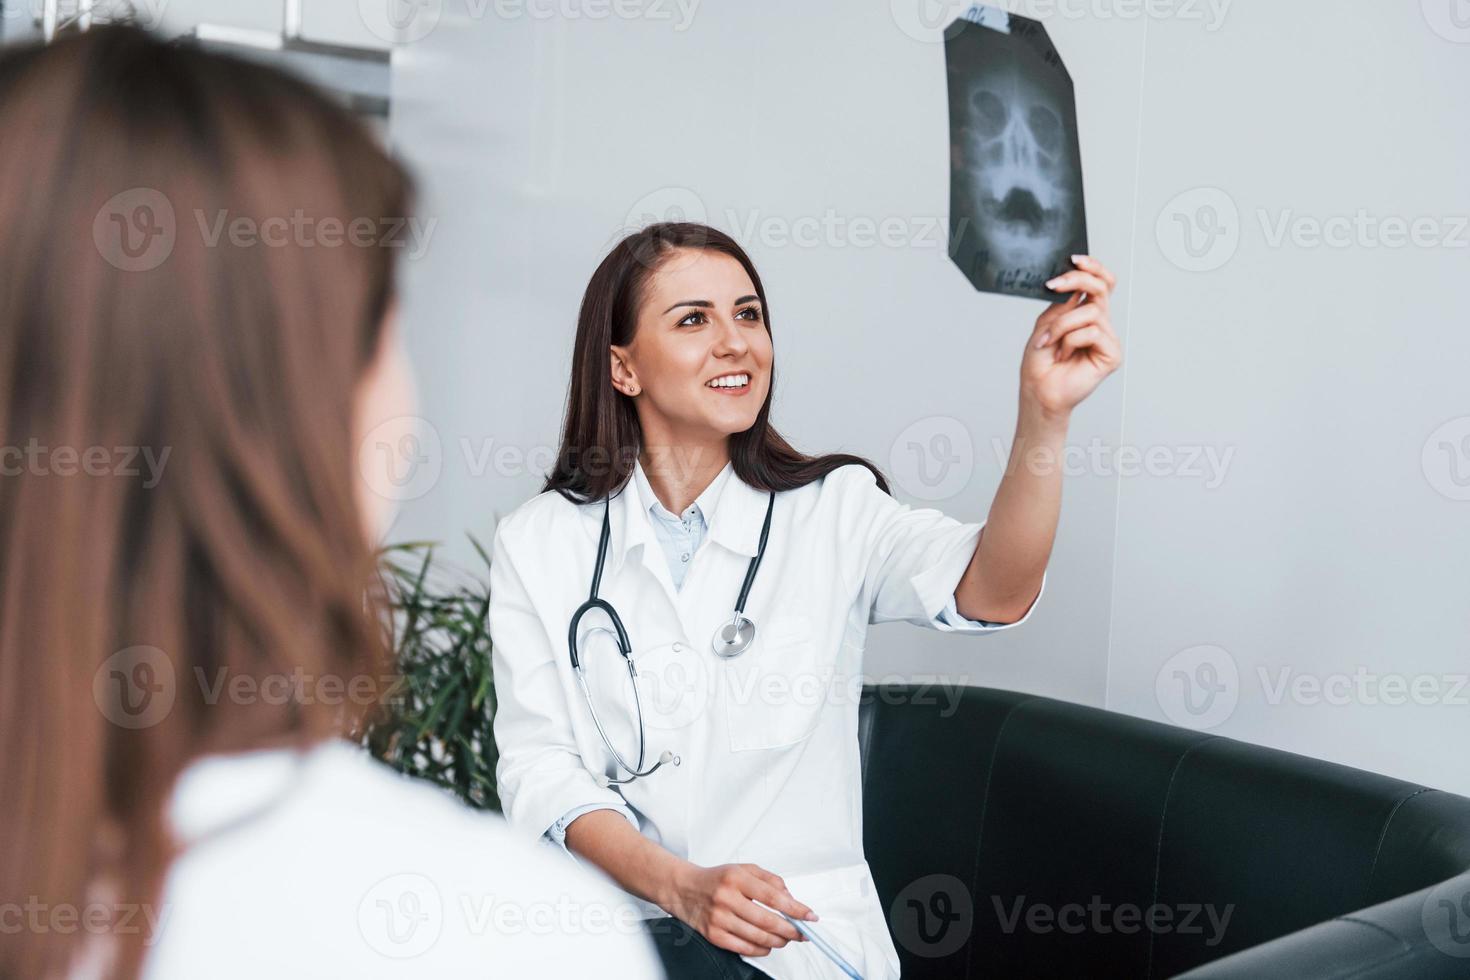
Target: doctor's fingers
1092	336
767	921
742	930
725	939
1086	315
1049	316
1081	280
779	897
1097	268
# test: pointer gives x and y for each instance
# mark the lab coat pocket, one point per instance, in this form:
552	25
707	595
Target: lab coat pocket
775	692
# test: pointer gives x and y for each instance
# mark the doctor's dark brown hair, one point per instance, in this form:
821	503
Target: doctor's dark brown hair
244	555
601	436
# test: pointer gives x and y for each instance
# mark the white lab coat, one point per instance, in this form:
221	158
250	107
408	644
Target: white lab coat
769	764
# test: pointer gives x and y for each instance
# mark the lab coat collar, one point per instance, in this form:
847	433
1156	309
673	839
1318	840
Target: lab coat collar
707	501
738	512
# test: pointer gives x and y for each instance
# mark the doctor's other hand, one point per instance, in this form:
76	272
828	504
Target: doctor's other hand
1073	346
717	903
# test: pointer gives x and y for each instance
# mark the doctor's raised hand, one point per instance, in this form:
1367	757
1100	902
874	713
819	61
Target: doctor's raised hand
1073	346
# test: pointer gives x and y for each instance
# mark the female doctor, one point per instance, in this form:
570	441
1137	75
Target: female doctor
679	617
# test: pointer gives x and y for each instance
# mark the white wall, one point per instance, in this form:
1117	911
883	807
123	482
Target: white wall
1321	370
1328	552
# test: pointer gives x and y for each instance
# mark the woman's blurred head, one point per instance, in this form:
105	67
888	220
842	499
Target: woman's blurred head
195	327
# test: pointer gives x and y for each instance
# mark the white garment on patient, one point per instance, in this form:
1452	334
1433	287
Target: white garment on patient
329	864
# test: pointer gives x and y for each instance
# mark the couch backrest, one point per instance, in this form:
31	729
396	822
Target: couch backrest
1016	835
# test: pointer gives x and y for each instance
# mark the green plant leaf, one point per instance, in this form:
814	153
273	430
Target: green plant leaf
440	725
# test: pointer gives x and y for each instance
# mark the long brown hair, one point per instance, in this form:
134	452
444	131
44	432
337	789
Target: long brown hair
601	436
135	321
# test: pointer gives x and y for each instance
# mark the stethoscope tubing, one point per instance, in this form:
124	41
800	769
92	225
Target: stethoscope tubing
638	704
755	562
625	647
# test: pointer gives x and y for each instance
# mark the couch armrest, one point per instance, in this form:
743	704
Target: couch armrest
1424	934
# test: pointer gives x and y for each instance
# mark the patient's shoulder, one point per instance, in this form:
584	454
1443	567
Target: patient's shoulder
337	865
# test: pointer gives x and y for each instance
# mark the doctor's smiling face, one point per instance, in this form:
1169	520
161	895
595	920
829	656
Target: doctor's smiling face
698	366
672	368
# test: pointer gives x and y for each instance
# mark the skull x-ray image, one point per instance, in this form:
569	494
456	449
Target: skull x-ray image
1015	190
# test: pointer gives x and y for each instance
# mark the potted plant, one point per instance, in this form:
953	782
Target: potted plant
436	725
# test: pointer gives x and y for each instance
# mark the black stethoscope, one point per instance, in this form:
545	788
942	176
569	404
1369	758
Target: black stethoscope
730	640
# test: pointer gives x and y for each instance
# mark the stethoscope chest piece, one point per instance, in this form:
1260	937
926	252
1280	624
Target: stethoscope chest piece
734	638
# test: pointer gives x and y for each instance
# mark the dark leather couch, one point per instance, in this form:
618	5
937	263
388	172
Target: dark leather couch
1018	836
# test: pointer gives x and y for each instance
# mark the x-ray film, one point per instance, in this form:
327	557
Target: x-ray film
1015	186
